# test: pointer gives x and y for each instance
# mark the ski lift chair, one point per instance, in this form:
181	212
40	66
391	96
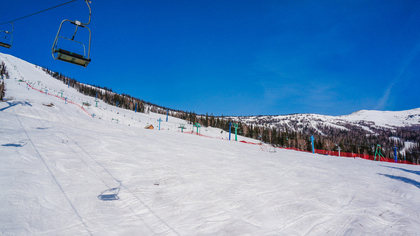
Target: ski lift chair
7	44
71	57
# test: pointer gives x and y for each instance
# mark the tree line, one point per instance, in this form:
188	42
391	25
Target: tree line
4	74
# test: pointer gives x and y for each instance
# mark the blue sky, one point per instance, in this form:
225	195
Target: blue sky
238	57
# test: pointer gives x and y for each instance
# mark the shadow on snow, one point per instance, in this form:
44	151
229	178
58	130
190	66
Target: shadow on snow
110	194
13	145
409	171
403	179
14	103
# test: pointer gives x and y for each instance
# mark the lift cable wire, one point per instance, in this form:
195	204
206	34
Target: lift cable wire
37	12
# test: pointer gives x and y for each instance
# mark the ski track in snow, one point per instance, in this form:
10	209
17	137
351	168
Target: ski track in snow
56	162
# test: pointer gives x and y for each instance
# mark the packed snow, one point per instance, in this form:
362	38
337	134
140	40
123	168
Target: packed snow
64	172
387	118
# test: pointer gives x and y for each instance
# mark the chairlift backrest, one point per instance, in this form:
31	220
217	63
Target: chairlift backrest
71	57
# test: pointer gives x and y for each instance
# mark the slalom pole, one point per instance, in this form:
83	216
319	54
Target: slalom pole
395	154
312	142
235	125
230	124
160	120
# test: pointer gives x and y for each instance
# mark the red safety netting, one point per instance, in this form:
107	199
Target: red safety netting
354	155
343	154
59	98
363	156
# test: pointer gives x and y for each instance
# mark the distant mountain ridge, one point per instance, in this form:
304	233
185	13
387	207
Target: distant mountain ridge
359	132
369	120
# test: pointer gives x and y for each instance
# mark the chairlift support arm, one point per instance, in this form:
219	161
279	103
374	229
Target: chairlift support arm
6	45
13	28
90	12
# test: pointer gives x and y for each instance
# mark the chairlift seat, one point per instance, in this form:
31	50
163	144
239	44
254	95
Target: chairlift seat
71	57
6	45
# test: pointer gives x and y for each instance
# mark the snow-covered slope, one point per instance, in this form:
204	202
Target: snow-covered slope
63	172
386	118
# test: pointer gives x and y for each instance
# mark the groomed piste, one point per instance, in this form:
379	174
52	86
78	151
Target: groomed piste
65	170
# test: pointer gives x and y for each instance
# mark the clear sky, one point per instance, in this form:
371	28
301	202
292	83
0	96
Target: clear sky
237	57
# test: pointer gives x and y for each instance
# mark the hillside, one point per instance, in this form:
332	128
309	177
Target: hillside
365	119
67	172
360	132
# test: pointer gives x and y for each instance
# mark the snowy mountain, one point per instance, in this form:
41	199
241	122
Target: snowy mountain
369	121
71	169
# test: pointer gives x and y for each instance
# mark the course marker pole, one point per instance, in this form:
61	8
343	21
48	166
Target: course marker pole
160	120
198	125
182	127
395	154
312	142
230	125
235	125
378	153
